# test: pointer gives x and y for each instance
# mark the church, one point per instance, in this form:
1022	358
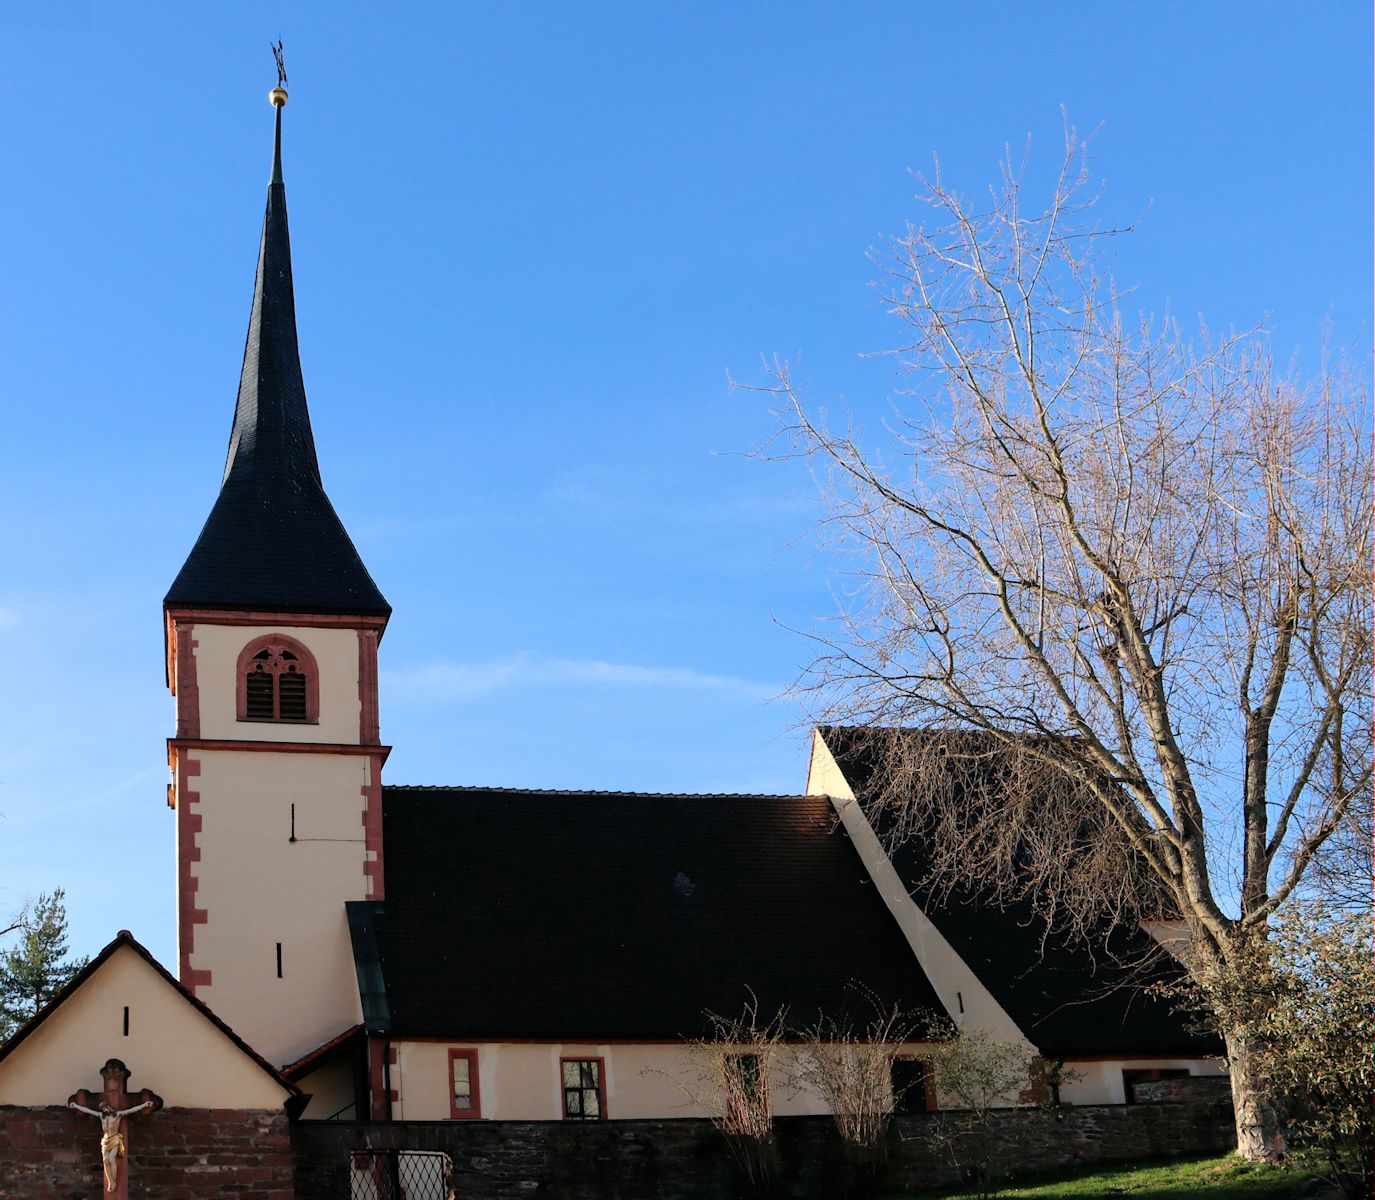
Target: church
357	953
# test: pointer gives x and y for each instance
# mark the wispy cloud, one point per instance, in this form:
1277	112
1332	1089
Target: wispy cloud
49	813
470	681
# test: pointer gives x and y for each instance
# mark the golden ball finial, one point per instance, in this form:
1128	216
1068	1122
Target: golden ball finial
278	97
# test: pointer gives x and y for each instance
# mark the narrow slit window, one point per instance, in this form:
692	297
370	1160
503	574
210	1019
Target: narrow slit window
279	960
464	1100
126	1020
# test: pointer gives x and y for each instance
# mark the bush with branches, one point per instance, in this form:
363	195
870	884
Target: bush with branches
728	1075
851	1069
1306	997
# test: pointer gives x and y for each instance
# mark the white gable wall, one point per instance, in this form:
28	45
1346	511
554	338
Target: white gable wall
171	1047
955	983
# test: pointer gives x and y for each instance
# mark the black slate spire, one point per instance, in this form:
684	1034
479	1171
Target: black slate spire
273	541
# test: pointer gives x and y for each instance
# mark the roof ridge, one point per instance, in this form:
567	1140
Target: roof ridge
532	791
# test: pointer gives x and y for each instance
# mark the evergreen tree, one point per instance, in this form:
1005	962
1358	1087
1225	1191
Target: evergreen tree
37	968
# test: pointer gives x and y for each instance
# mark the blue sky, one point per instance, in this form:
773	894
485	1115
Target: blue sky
531	242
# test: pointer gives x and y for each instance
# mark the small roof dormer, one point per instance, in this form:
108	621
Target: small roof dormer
273	541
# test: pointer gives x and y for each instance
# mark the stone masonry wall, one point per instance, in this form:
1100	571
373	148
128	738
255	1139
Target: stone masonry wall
176	1154
690	1160
1192	1089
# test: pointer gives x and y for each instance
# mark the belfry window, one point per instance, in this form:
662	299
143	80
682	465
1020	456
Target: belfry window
277	682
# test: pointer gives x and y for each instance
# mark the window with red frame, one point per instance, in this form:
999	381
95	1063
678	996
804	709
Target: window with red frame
277	682
584	1094
464	1099
911	1082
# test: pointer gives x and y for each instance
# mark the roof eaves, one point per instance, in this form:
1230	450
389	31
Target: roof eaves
326	1050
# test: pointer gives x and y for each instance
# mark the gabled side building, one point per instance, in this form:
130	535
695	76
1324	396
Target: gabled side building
350	949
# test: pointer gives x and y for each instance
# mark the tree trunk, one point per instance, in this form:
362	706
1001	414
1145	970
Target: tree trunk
1259	1137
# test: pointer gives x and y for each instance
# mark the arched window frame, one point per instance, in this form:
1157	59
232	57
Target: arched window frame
277	641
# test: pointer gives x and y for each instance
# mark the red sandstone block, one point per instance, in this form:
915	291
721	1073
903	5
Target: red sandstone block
25	1136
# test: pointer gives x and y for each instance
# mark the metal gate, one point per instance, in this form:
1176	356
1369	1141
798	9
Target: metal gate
401	1175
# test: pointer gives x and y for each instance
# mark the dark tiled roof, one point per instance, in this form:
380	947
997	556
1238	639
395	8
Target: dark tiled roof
272	540
1067	998
577	915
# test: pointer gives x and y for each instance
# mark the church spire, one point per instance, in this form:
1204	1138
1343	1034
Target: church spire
271	422
272	540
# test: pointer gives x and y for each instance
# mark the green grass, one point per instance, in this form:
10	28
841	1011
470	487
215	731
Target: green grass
1225	1178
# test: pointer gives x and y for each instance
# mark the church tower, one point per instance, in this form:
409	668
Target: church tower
272	630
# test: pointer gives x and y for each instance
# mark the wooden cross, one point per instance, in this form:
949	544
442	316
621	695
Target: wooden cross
112	1105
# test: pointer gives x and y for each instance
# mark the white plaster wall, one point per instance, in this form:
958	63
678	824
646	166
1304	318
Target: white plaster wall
259	888
330	1090
1174	936
171	1047
217	657
1100	1080
522	1081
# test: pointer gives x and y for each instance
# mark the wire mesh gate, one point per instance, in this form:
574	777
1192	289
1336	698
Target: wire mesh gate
401	1175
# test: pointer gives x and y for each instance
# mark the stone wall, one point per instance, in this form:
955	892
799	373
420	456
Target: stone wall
175	1154
1192	1089
690	1160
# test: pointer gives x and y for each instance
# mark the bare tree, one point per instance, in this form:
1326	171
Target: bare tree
1344	866
1130	570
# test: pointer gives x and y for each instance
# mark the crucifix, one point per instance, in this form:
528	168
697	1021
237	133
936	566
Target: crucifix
111	1105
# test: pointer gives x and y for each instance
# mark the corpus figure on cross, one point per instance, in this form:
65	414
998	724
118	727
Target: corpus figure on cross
110	1107
111	1139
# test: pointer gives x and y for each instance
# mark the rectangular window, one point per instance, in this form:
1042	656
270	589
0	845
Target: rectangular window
584	1094
464	1100
912	1091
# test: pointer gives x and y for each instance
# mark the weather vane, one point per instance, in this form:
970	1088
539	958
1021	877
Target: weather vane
278	94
